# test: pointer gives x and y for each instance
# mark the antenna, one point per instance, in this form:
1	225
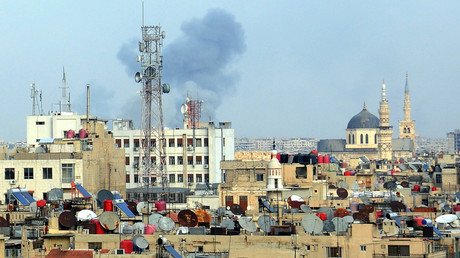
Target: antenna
34	94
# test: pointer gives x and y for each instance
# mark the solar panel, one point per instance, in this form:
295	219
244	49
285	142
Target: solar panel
83	191
172	251
18	196
116	195
26	195
124	208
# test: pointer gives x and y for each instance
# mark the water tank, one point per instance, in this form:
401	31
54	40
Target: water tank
320	159
160	205
322	216
456	207
149	229
326	159
41	203
314	152
127	245
82	133
348	173
378	213
99	229
434	189
70	134
418	221
416	188
108	205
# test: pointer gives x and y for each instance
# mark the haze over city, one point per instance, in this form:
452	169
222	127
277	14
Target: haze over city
272	69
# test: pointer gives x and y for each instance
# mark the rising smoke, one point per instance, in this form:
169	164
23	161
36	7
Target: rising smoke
197	63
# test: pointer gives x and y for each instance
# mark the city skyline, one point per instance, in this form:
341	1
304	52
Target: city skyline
272	75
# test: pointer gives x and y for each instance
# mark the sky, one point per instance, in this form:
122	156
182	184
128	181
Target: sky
272	68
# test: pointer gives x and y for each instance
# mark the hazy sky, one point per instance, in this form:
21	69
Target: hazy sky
273	68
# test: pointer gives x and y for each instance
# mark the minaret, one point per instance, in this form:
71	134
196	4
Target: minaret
65	99
407	125
385	129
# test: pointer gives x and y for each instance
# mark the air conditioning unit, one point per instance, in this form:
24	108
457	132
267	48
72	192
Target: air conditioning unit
136	148
12	181
119	251
80	229
85	231
206	166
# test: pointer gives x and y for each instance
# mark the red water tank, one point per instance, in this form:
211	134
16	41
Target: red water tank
348	173
278	156
418	221
320	159
108	205
433	189
41	203
326	159
160	205
149	229
456	207
70	134
322	216
416	188
314	152
127	245
82	133
378	213
99	229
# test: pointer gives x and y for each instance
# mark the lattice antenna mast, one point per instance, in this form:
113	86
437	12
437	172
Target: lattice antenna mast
194	112
34	95
153	143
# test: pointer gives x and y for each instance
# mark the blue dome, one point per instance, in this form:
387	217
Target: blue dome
363	120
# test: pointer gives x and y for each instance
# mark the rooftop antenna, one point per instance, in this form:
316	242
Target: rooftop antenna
34	94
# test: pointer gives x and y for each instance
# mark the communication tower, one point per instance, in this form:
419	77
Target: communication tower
153	141
36	96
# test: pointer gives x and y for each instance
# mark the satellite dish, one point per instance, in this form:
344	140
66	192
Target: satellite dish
361	216
247	224
67	219
140	206
328	211
342	184
446	218
265	222
140	242
390	185
342	193
86	215
340	224
227	223
236	209
138	228
187	218
312	224
154	219
103	195
305	208
397	206
221	211
328	226
55	194
166	88
405	184
40	150
183	108
138	77
348	219
341	212
4	223
295	201
166	224
443	207
109	220
141	47
365	199
457	195
125	228
331	186
368	208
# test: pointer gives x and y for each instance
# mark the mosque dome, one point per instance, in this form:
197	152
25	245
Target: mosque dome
363	120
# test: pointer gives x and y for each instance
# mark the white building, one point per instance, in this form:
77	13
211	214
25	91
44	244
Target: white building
185	165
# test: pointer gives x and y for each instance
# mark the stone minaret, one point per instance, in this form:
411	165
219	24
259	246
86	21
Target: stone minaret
385	129
407	125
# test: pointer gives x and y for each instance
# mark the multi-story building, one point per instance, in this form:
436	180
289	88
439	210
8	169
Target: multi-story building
186	164
453	141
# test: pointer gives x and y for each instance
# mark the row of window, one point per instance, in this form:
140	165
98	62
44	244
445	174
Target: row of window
177	178
172	160
362	139
179	142
67	173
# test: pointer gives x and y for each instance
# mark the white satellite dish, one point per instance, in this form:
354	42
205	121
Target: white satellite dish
86	215
247	224
166	224
183	108
140	206
154	219
33	207
138	228
312	224
446	218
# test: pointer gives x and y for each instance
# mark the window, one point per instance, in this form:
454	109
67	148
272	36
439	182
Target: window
205	142
126	143
259	177
47	173
68	174
206	160
189	142
408	130
180	178
28	173
136	143
172	160
153	160
228	200
127	161
300	172
334	251
9	173
363	248
95	245
179	143
127	178
199	178
153	143
190	178
438	179
367	138
206	177
118	142
40	122
404	130
349	139
199	160
353	139
136	178
375	138
172	178
180	161
198	142
398	250
190	160
136	162
171	142
361	138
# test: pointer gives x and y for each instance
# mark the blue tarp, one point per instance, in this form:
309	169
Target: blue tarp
172	251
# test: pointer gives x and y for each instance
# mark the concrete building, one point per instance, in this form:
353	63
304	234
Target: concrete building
453	142
186	164
91	160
